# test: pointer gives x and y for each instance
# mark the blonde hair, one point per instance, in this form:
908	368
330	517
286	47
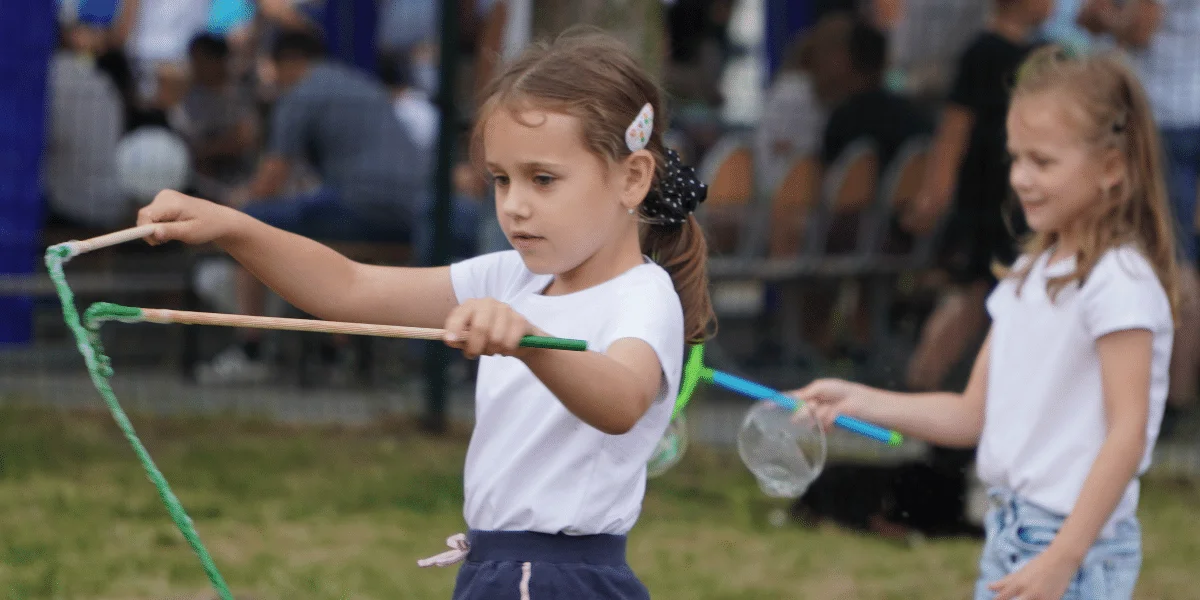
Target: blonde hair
1116	115
593	77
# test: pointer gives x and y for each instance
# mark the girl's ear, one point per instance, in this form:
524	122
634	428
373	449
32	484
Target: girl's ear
639	169
1114	170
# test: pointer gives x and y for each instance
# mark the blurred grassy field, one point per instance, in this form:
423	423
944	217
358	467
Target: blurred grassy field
316	513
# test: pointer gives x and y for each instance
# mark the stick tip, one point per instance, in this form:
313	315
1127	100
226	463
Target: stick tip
64	251
107	311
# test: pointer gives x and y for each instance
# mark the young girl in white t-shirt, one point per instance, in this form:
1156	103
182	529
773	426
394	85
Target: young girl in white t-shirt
585	191
1067	393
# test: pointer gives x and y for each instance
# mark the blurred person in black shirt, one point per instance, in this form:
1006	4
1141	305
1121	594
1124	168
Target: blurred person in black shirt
862	108
968	175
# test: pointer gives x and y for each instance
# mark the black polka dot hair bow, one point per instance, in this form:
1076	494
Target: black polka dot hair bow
677	195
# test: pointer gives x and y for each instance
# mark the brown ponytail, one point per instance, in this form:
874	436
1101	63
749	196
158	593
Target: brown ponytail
683	252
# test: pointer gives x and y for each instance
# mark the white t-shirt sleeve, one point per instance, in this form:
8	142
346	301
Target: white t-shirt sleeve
493	275
649	310
1121	293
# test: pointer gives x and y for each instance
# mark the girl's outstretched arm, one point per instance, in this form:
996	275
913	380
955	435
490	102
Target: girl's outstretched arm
944	419
309	275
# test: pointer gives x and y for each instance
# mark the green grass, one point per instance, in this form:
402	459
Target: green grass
321	513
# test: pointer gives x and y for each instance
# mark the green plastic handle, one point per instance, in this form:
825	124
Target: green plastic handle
553	343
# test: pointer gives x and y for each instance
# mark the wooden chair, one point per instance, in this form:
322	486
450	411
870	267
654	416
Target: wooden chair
889	250
900	186
847	190
791	204
728	169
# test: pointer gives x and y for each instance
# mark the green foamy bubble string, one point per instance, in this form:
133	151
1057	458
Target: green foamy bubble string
87	340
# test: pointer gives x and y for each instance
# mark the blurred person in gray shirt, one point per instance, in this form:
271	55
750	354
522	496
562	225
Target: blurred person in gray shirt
340	121
373	178
219	119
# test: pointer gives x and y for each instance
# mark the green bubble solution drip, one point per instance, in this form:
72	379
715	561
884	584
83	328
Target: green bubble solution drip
100	367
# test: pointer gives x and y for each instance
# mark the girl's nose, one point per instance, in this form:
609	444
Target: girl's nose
513	205
1019	176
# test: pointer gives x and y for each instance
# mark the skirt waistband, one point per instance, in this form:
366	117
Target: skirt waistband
530	546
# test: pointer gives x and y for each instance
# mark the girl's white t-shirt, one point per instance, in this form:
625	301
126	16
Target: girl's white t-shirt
531	464
1044	419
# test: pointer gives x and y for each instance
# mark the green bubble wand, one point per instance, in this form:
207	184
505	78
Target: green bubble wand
673	444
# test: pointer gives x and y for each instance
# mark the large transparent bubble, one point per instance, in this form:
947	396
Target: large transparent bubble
785	454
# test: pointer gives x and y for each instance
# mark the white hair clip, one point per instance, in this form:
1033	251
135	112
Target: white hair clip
638	134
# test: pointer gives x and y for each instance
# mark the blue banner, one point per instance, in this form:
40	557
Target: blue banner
26	43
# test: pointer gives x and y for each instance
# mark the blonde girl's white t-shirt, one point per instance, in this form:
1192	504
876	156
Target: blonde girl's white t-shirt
1044	419
531	464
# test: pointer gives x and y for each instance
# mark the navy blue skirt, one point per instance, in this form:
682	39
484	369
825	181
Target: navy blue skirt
523	565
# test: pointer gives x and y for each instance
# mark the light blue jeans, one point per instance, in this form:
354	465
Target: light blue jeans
1018	531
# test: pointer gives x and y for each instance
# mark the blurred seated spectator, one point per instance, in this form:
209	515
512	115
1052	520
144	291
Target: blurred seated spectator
85	123
342	122
792	120
348	27
100	29
848	68
219	120
373	178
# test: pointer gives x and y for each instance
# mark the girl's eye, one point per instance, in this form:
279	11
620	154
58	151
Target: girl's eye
543	180
1041	161
500	180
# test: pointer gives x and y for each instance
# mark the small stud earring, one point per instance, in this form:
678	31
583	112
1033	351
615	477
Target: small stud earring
631	211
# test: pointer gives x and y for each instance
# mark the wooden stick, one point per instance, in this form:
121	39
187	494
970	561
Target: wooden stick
111	239
184	317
